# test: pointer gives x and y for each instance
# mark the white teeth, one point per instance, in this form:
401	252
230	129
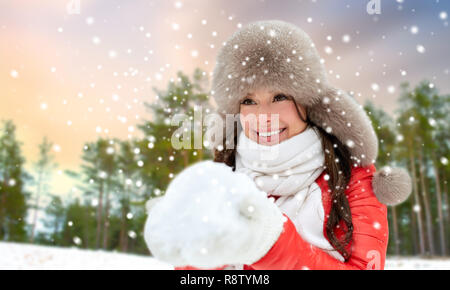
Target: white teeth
267	134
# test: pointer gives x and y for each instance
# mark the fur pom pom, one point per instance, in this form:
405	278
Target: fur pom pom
391	185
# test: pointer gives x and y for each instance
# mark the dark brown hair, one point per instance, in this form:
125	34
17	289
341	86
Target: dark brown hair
338	167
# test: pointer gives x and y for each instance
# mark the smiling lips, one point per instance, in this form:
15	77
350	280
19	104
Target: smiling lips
267	136
271	133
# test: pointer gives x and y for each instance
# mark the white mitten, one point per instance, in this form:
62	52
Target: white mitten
211	216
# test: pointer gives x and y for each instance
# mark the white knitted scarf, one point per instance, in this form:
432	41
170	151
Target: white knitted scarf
285	168
288	170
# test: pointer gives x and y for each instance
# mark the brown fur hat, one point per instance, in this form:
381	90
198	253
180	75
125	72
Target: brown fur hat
280	56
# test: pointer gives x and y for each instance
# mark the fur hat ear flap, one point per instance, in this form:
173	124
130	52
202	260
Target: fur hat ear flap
391	185
339	114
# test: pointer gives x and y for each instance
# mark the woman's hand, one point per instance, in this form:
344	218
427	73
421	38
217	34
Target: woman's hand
211	216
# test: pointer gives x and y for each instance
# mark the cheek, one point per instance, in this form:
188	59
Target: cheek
291	119
247	117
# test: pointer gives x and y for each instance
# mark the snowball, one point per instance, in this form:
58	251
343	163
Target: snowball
206	196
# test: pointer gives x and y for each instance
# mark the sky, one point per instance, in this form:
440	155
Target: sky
76	70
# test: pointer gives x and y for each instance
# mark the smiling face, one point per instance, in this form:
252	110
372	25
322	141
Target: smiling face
259	111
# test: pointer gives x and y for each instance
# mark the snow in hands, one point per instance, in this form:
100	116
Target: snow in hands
211	216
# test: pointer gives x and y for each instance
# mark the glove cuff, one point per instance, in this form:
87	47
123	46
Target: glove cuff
270	227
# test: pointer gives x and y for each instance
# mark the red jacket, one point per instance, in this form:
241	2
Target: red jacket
370	233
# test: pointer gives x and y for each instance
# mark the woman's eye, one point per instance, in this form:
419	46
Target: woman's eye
247	102
280	97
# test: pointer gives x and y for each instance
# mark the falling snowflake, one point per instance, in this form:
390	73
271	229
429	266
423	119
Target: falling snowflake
112	54
420	48
14	74
178	4
12	182
90	21
444	160
346	38
391	89
328	50
375	87
102	174
77	241
175	26
96	40
132	234
57	148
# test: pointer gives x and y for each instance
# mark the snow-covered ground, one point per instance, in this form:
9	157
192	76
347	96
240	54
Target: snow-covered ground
26	256
413	263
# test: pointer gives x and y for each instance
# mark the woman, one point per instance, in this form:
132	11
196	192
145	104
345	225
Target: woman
322	178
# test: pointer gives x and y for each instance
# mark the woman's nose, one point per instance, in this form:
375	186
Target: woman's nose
267	117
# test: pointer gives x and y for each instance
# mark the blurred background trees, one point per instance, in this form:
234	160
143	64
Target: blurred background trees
117	177
417	139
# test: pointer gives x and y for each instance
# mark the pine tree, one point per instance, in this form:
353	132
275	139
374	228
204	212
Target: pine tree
186	98
54	219
13	206
43	170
